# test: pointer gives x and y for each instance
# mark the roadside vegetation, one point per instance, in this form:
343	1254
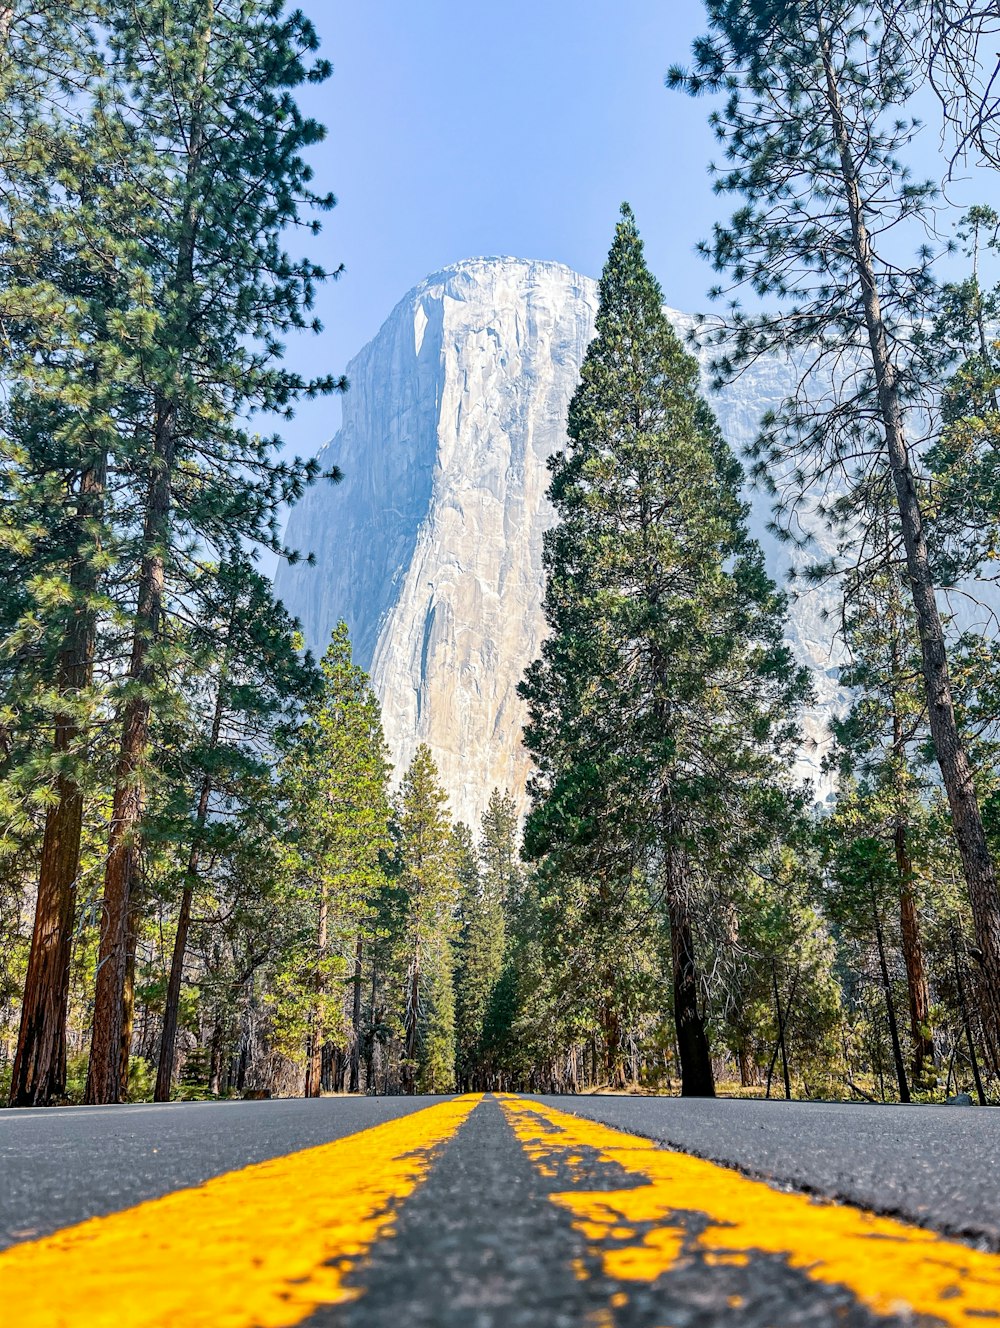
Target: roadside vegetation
210	882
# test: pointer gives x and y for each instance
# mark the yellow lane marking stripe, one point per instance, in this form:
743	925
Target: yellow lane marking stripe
890	1267
265	1246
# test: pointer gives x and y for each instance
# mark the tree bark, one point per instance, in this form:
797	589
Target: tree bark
355	1080
104	1079
966	1025
128	988
371	1084
890	1010
411	1027
314	1068
918	995
614	1069
168	1039
39	1072
781	1033
913	958
215	1058
697	1079
952	758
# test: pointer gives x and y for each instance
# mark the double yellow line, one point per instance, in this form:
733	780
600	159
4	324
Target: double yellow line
264	1246
636	1235
267	1246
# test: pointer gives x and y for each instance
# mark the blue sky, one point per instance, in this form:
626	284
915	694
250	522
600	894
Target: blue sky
459	129
462	129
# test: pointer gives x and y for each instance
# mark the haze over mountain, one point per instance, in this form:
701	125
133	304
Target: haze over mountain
431	547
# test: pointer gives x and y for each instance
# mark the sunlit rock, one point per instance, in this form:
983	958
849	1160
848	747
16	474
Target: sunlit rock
431	547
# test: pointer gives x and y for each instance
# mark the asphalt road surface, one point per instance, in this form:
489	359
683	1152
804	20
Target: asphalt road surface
485	1212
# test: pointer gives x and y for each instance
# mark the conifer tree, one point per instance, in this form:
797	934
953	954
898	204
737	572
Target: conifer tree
815	122
492	892
467	914
430	885
336	779
68	260
242	702
436	1043
879	742
665	696
205	88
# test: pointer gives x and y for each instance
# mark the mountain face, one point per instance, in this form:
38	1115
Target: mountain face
431	548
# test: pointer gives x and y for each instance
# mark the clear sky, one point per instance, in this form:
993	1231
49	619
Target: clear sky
459	129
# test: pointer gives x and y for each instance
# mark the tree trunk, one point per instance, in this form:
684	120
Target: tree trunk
913	958
890	1010
314	1068
966	1025
779	1045
697	1079
355	1081
128	988
956	773
410	1024
104	1079
781	1033
371	1086
611	1029
39	1073
215	1059
168	1040
104	1074
744	1062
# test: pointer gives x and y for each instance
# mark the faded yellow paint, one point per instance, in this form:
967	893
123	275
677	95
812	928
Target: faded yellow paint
265	1246
890	1267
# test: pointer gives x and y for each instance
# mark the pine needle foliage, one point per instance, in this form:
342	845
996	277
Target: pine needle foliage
664	703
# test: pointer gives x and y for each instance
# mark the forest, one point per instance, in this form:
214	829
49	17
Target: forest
211	884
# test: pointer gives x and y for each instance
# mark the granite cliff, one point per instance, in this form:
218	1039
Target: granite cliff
431	547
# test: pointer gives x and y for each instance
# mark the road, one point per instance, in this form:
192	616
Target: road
484	1212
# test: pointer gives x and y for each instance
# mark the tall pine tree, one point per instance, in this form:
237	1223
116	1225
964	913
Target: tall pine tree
816	121
336	780
489	895
206	90
430	883
70	258
664	699
243	699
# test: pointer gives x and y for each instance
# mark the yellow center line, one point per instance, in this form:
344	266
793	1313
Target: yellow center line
265	1246
638	1233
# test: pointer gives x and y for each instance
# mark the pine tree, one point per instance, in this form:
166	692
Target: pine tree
879	742
436	1042
963	64
962	460
664	697
242	700
815	123
205	88
467	1025
68	257
489	895
336	779
864	887
431	888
